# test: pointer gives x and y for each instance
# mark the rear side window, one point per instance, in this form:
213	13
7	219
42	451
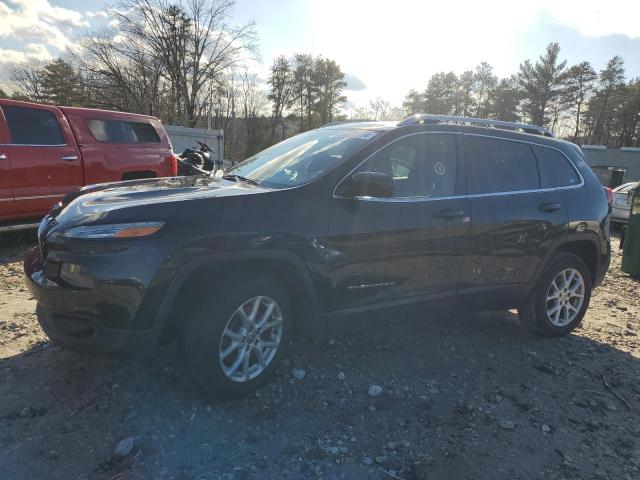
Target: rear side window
555	169
119	131
32	126
496	165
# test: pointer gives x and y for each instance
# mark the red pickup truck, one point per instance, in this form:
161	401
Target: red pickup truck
46	152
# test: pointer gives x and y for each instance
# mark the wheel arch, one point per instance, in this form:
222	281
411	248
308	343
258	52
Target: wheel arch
586	249
196	276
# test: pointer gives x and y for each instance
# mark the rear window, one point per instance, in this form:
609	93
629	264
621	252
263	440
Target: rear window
496	165
32	126
120	131
556	169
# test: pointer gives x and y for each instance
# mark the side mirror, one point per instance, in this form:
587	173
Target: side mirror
368	184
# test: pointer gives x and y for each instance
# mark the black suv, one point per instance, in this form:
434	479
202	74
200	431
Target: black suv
449	211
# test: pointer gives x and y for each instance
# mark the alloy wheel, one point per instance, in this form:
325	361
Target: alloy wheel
565	297
250	339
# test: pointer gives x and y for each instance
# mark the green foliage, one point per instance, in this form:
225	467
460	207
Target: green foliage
312	87
61	83
575	102
542	84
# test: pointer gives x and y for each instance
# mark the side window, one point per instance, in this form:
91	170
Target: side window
143	132
422	165
118	131
555	169
32	126
496	165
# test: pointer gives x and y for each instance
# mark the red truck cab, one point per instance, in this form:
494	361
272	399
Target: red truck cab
47	151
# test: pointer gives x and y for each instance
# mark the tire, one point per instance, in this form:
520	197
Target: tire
204	340
541	315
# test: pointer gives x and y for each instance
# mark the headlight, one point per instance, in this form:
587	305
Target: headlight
116	230
77	275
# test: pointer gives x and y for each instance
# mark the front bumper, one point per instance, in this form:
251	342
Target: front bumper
82	320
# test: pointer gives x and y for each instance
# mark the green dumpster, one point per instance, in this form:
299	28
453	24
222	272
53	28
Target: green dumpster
631	245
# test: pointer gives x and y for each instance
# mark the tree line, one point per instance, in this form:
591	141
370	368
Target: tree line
186	63
575	102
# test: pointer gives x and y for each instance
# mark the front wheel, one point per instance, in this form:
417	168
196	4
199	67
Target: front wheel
234	342
561	298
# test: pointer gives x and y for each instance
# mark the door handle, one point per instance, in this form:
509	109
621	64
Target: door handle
69	158
549	207
449	214
3	156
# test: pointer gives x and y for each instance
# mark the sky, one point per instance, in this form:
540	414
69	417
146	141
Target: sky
385	48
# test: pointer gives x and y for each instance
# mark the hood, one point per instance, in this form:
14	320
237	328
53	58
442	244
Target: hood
95	200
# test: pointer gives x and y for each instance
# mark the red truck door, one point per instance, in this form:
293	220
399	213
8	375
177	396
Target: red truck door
6	194
45	161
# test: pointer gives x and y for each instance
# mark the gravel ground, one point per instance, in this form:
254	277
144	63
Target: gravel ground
468	397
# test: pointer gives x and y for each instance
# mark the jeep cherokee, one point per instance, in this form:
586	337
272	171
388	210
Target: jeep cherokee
441	211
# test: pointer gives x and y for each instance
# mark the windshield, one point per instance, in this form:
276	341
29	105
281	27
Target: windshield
302	158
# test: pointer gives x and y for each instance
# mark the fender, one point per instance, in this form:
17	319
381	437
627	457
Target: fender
210	260
573	237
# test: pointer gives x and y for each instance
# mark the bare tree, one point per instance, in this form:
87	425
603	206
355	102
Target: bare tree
26	81
193	41
254	104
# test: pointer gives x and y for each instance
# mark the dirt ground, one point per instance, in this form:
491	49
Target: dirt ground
472	397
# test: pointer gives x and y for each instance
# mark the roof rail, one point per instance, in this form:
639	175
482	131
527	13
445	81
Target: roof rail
483	122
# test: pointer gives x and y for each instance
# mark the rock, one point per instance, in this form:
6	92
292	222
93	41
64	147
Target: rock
375	390
125	447
341	376
546	429
507	425
380	459
298	373
26	412
131	416
545	369
367	461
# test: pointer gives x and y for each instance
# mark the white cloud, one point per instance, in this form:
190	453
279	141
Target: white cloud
32	52
28	20
98	13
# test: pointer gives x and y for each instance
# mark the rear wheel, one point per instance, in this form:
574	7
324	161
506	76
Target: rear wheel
234	342
561	298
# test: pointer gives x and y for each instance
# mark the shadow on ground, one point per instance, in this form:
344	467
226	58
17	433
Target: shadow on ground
468	397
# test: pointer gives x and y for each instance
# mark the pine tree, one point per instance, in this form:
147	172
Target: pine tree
281	83
61	83
579	83
542	84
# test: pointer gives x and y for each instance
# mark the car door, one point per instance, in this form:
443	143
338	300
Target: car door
514	220
6	193
406	246
45	162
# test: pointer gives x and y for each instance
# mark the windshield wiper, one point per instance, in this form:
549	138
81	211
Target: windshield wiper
238	178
